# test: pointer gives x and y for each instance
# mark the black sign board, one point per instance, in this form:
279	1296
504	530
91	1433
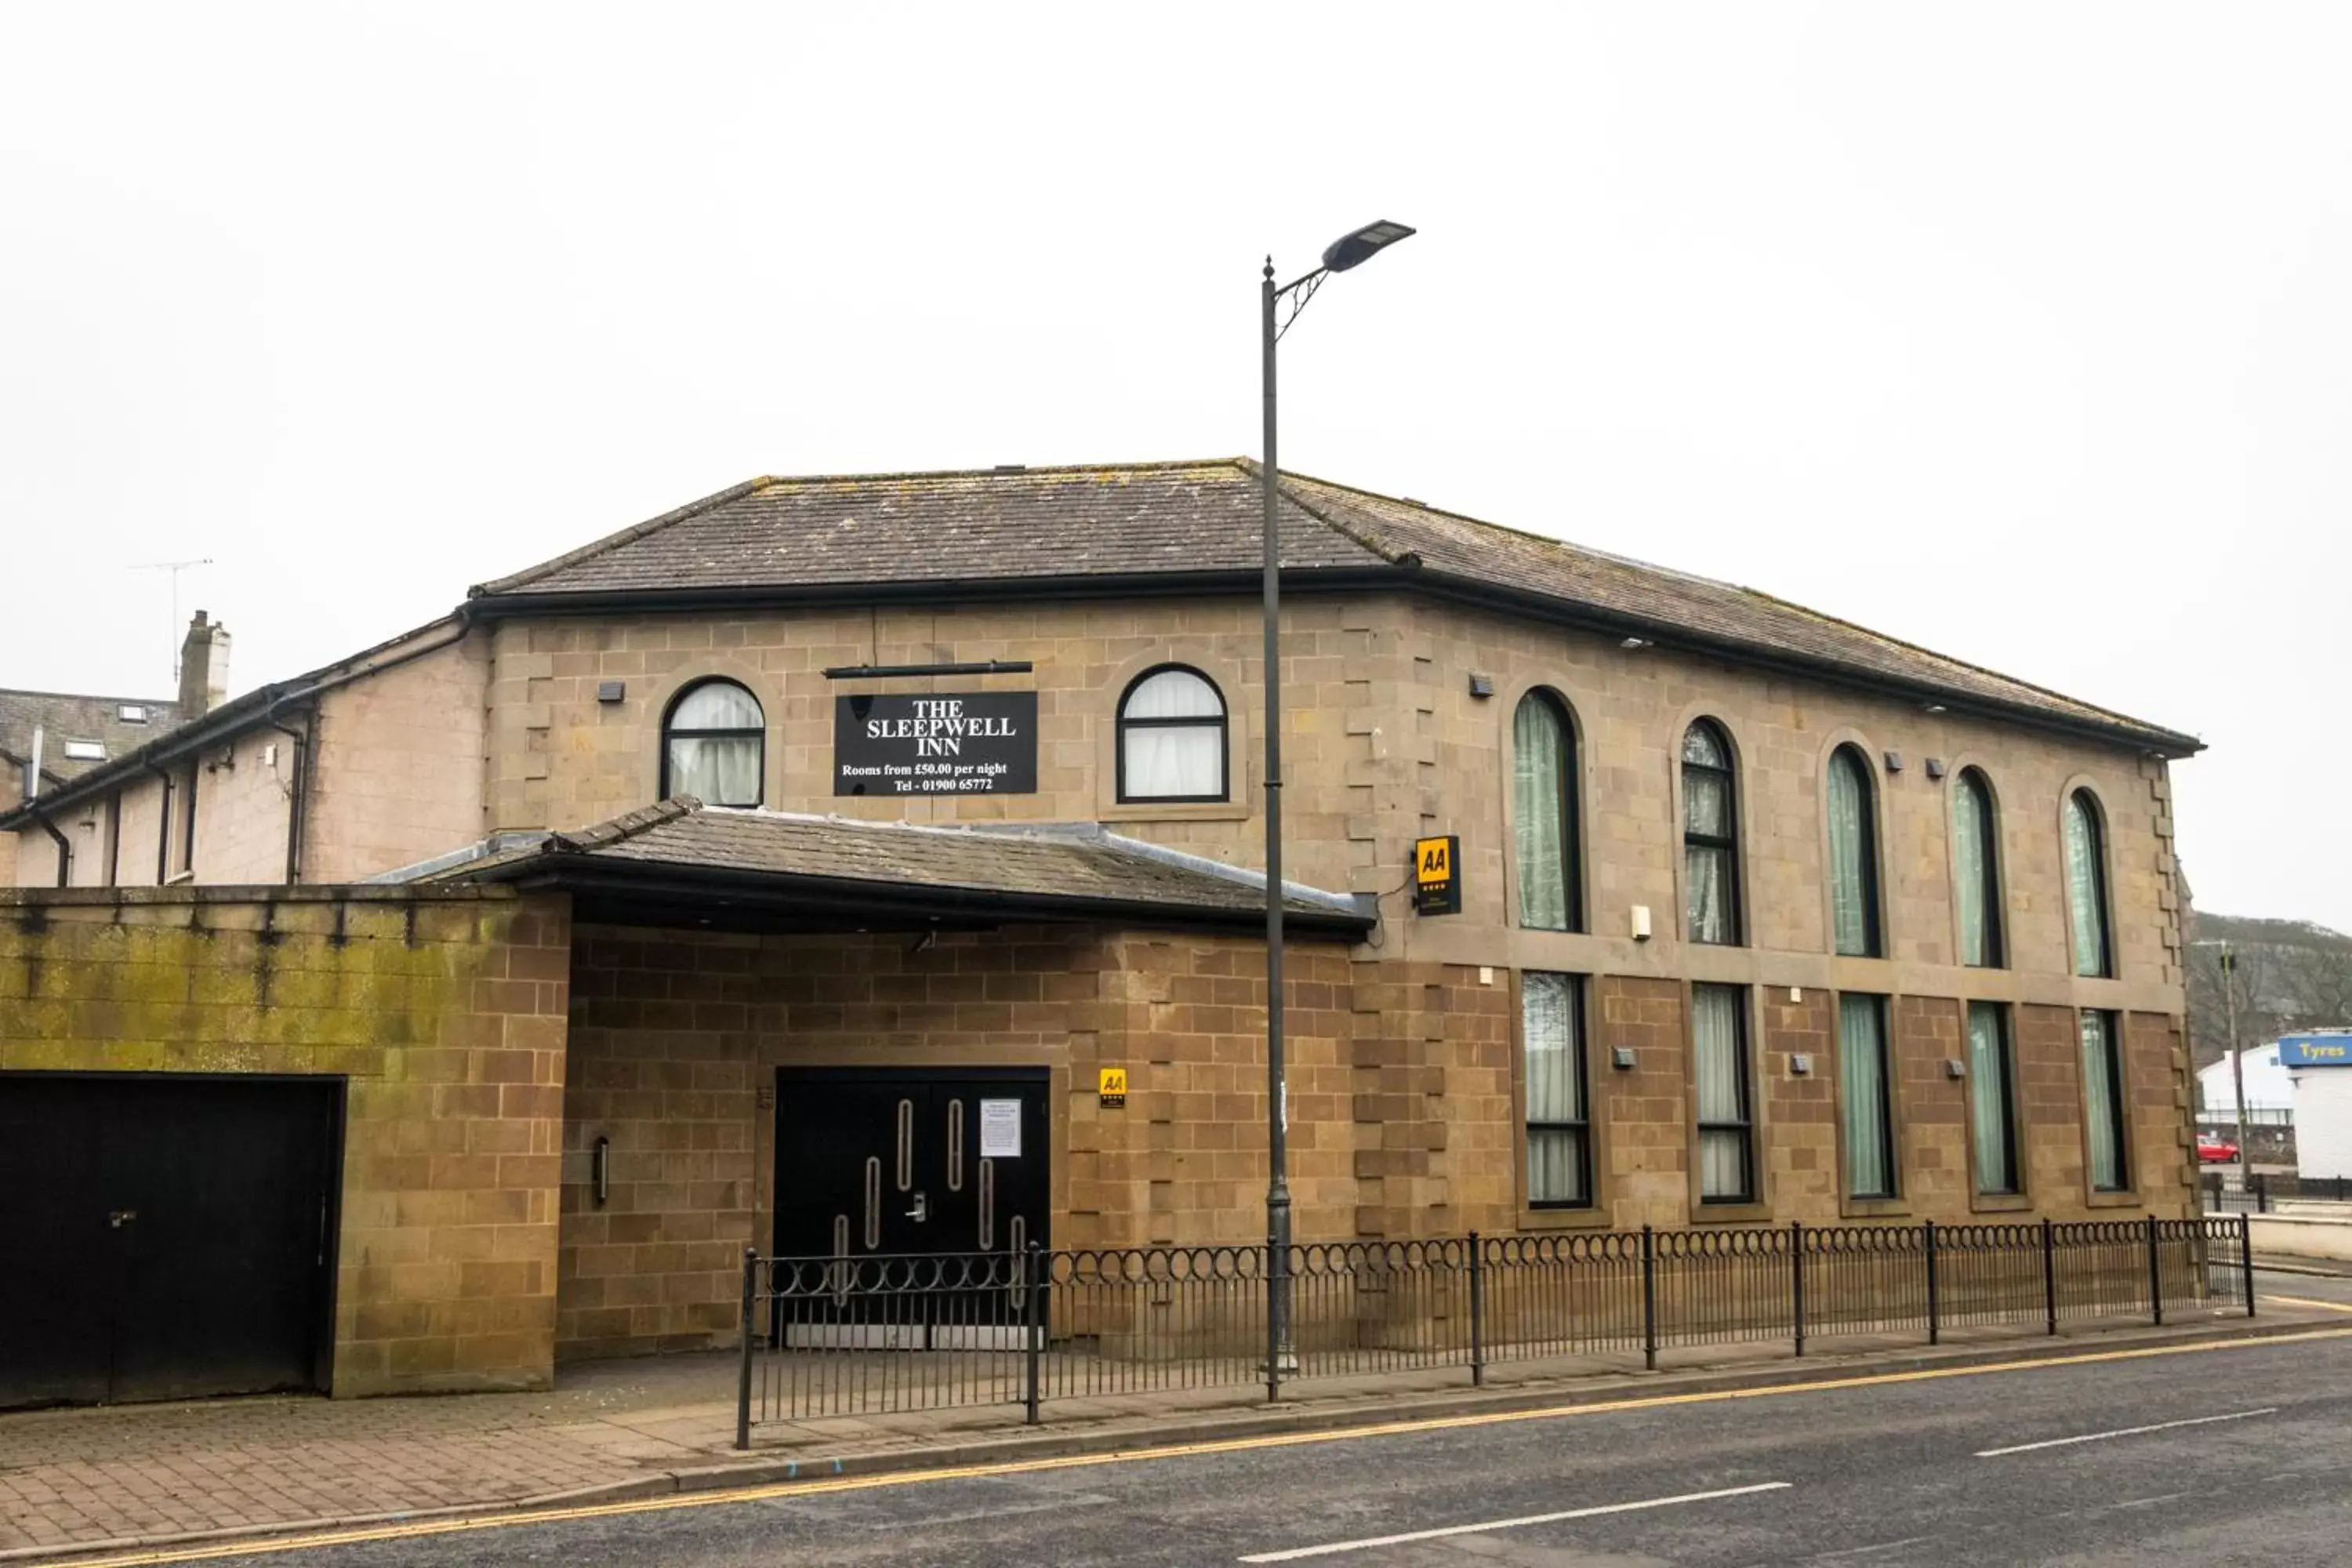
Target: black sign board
1437	876
948	742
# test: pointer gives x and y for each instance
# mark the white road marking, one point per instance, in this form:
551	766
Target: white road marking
2125	1432
1296	1552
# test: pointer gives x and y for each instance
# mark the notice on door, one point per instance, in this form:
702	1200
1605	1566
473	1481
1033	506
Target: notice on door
1000	1129
969	742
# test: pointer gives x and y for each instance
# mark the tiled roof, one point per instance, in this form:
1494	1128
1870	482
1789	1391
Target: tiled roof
1038	526
1081	865
62	716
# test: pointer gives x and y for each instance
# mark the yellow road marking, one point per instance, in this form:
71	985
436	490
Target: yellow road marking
2308	1302
260	1546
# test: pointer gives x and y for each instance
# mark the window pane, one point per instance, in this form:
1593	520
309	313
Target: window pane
1700	745
1707	802
2103	1097
1539	754
1972	862
718	705
1721	1071
1989	1096
1548	1025
723	771
1723	1165
2086	896
1555	1166
1861	1078
1173	694
1850	857
1706	879
1178	759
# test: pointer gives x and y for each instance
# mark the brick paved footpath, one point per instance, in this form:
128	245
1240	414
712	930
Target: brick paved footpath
145	1474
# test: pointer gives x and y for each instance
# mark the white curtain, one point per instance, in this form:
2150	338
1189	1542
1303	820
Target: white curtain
1557	1167
1850	858
1971	869
1989	1098
722	770
1162	759
1862	1075
2084	894
1706	879
718	705
1539	758
1707	816
1722	1072
2104	1103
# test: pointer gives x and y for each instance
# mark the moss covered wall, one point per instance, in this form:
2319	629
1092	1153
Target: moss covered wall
445	1015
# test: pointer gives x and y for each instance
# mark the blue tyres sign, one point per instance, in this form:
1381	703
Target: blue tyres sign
2316	1050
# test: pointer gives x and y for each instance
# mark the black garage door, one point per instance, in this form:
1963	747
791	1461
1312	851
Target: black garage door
165	1237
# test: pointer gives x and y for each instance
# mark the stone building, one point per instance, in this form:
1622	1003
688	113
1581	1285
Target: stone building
786	871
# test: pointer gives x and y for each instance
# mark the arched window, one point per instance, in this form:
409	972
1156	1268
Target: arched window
1171	737
1710	837
2086	884
1853	856
1543	813
1975	869
715	745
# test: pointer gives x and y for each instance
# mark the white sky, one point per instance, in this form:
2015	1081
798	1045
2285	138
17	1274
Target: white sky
2020	332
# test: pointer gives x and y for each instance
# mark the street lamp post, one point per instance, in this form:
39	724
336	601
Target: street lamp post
2237	1056
1349	250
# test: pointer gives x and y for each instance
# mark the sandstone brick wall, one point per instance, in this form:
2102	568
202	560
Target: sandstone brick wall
398	769
445	1015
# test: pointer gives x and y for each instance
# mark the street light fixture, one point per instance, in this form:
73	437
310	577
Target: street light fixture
1349	250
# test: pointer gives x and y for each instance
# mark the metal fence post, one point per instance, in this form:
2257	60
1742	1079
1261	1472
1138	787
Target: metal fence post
2049	1275
743	1373
2246	1258
1033	1321
1648	1299
1477	1314
2261	1192
1797	1280
1935	1324
2155	1276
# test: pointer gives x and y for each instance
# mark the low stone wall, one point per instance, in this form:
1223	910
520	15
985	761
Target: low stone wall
445	1017
2304	1235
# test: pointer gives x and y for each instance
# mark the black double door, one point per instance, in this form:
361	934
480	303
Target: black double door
164	1237
947	1167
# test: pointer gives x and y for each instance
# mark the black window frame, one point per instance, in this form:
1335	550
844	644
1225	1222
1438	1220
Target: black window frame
1996	932
2011	1150
1727	846
1581	1056
2111	1030
671	733
2095	819
1873	906
1571	838
1743	1070
1122	723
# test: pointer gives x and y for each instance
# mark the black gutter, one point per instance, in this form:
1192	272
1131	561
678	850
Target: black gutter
230	718
162	824
773	891
294	805
64	846
891	671
1407	574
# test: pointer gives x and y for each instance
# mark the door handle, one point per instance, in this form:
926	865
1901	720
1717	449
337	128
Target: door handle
117	1218
922	1209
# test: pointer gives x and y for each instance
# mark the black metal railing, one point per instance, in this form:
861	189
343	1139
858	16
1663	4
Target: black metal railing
2260	1193
839	1336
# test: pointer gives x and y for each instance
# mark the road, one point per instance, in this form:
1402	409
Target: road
2236	1454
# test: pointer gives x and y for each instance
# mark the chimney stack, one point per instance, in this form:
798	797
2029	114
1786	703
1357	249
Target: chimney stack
204	669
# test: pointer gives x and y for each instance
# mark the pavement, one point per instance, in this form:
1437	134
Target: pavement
201	1475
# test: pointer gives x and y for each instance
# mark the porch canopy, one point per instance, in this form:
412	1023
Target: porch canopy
681	863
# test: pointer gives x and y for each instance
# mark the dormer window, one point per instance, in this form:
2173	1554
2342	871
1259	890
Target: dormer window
130	713
85	750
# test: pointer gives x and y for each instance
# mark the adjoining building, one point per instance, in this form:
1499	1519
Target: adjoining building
2319	1063
800	868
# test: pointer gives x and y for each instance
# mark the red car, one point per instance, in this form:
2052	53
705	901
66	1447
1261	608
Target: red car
2213	1151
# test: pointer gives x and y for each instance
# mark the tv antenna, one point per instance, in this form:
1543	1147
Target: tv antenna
174	568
